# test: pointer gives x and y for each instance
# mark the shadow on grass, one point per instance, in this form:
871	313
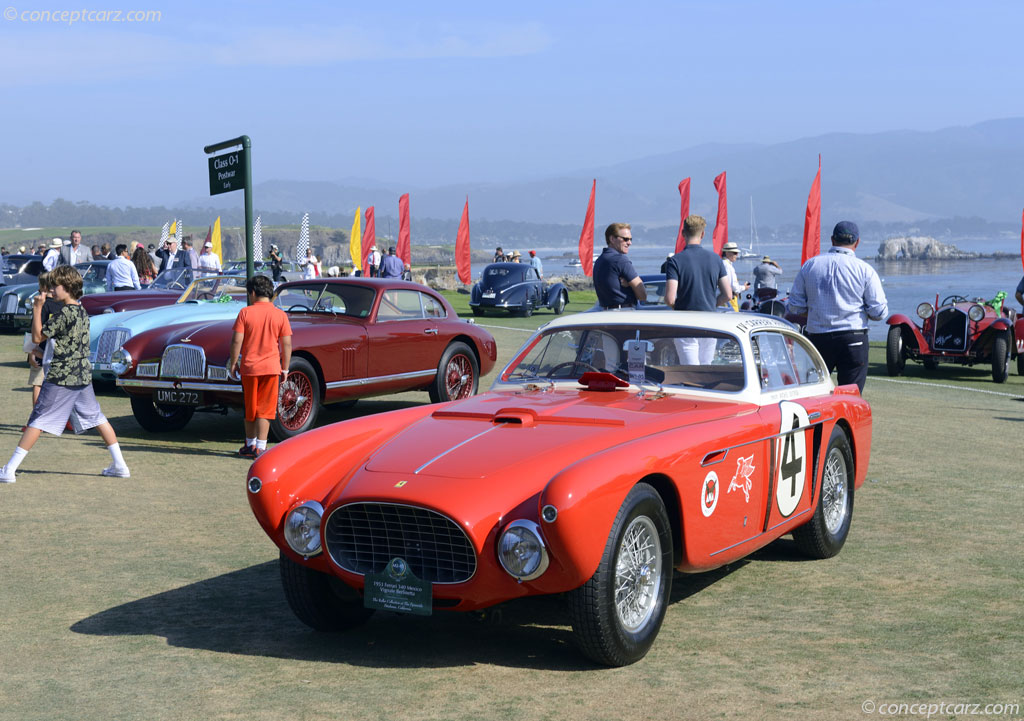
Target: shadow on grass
245	612
944	373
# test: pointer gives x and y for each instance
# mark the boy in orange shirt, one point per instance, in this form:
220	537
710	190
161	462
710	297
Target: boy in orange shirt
263	336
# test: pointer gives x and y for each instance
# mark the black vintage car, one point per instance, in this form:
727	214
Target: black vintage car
517	288
21	268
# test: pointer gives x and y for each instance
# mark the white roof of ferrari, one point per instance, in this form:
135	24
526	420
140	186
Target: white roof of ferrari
739	324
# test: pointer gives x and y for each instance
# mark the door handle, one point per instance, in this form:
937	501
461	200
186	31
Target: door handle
430	331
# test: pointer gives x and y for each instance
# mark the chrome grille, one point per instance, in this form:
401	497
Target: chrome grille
950	330
363	537
9	303
183	361
110	340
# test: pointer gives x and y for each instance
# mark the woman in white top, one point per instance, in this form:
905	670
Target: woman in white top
209	263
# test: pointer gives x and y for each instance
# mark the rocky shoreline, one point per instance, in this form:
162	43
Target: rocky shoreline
927	248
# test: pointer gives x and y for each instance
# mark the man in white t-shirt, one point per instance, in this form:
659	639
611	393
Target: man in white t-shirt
209	262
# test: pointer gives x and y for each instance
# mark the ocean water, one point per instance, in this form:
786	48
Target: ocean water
906	283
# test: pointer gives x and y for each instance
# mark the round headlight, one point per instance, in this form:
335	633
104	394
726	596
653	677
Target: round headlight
976	313
925	310
302	528
521	550
120	361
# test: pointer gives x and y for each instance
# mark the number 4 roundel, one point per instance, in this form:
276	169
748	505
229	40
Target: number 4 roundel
791	450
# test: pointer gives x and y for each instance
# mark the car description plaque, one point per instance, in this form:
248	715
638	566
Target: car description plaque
396	588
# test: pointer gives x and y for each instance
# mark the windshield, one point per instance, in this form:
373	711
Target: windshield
681	357
354	301
92	271
173	279
216	290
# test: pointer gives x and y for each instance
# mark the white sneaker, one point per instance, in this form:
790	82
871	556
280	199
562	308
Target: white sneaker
6	477
116	471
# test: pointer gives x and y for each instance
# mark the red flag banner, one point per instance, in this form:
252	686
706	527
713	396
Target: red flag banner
463	258
812	220
1022	238
369	239
587	236
721	235
404	249
684	210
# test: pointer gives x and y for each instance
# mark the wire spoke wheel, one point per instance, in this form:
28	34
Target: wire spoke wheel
458	377
637	573
295	400
833	491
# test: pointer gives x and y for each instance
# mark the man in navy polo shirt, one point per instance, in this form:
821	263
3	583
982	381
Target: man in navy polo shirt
696	279
616	282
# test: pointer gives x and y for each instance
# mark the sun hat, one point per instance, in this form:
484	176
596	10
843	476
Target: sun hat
208	244
56	243
516	254
766	259
730	247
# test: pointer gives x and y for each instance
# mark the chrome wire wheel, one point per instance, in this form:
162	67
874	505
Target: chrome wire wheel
294	398
833	491
458	377
638	574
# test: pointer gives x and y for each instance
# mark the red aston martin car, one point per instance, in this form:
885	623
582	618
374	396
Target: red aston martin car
615	448
351	338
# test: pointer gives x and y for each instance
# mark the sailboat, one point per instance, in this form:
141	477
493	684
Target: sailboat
753	251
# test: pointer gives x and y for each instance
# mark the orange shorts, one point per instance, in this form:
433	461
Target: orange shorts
260	396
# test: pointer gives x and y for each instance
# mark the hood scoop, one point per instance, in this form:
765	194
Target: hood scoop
527	417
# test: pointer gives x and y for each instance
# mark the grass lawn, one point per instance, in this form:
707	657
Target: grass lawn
157	597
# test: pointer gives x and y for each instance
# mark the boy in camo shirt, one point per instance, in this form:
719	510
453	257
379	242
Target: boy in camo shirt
67	390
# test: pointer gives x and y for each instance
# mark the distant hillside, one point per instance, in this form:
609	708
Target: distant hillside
891	177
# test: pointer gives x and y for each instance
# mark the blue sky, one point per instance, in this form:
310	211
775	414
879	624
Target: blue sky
416	94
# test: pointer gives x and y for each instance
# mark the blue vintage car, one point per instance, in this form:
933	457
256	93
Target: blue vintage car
517	288
213	298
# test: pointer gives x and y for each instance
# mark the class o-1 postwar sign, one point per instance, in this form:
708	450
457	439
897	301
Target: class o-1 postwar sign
227	172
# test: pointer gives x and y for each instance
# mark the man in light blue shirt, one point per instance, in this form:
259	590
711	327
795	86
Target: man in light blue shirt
535	263
121	272
839	293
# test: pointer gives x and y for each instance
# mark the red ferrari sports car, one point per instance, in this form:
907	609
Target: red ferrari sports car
351	338
615	448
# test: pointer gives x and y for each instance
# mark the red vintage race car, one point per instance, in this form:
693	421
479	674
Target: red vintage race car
953	330
615	448
351	338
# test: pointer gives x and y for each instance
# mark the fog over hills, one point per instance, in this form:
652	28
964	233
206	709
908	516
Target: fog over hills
890	177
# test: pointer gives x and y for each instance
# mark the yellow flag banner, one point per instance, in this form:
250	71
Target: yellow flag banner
173	232
215	239
355	240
